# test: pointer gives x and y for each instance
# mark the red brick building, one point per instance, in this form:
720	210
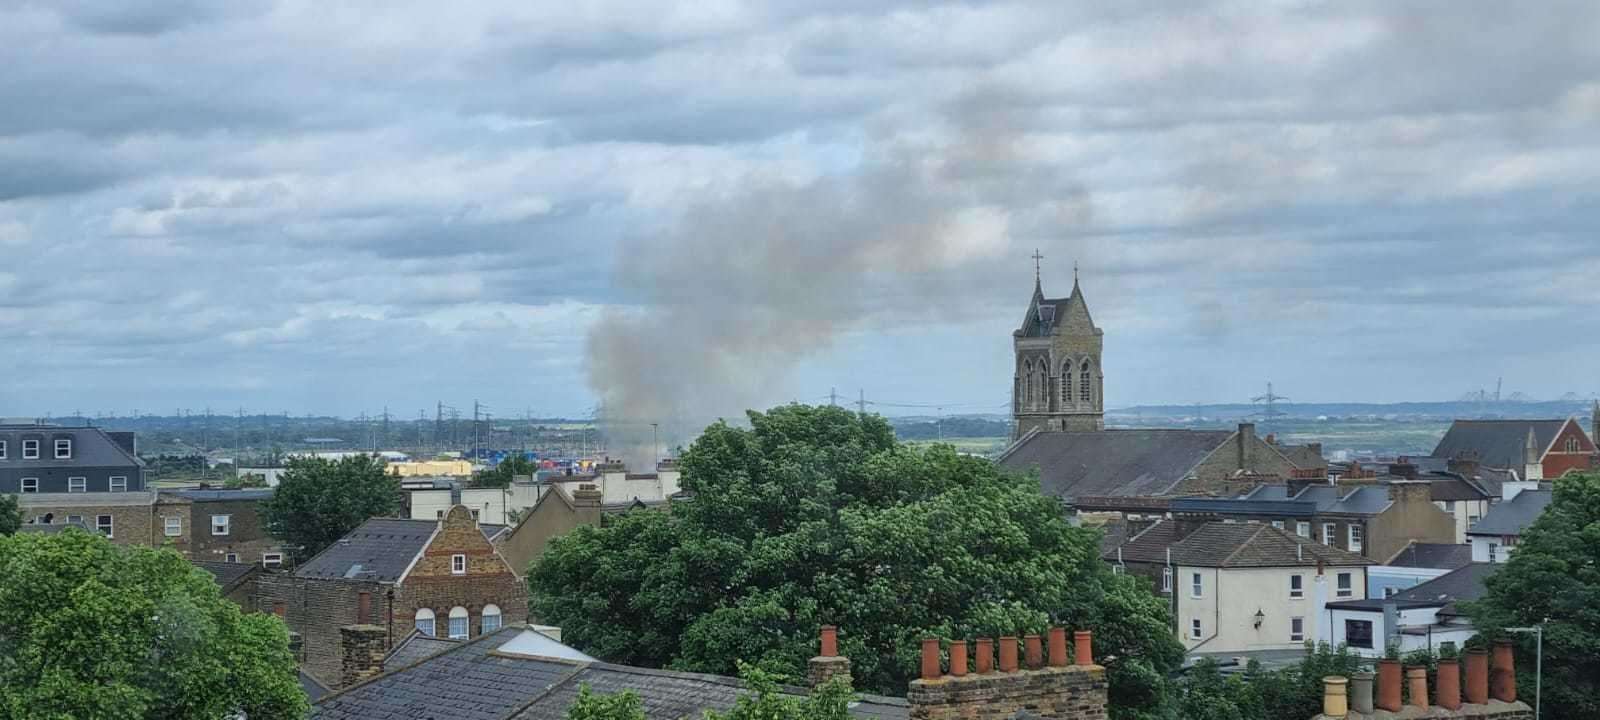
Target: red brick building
1533	449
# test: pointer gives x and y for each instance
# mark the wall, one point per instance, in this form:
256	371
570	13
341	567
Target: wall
1233	596
456	468
1502	550
1411	617
1558	461
247	535
1074	692
489	579
317	608
1213	474
495	504
1465	513
556	515
1396	578
1412	518
429	504
131	513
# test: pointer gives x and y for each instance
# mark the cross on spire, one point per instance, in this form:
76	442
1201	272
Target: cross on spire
1036	258
1074	272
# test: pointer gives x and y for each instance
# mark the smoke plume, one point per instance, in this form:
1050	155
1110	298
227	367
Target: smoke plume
746	286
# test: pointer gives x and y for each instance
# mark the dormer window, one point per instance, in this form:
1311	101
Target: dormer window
64	449
30	449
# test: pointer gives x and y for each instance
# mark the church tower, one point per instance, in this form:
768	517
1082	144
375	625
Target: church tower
1059	383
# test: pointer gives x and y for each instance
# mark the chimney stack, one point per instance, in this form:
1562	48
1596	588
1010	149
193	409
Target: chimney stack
1054	690
1247	437
827	665
363	648
1403	467
1465	464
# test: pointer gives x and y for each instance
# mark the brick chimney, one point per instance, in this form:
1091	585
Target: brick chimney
363	648
1410	491
1058	690
586	501
1403	467
1465	464
828	665
1247	441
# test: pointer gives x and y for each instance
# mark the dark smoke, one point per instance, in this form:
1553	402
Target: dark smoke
745	287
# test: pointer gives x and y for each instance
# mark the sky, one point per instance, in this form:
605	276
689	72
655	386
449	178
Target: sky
550	207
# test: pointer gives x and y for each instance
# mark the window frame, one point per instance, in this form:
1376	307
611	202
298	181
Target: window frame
483	622
107	528
1197	586
275	561
22	487
1195	629
26	455
1303	528
112	484
230	558
1348	623
1277	524
1297	586
433	622
1348	579
1329	530
227	525
1355	537
78	484
1166	579
458	564
75	519
466	622
63	443
167	523
1297	635
3	454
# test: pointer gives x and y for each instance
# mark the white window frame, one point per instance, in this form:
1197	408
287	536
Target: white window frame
77	484
1197	586
1492	548
63	448
1354	537
1297	593
1195	630
3	455
272	559
1328	530
499	619
466	623
108	528
1277	524
426	614
226	525
1166	579
118	483
172	526
1297	634
1303	528
25	487
30	449
1349	580
458	564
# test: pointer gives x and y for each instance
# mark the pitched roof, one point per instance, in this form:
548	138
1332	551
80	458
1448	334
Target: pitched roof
91	447
415	648
1498	443
1303	456
313	687
1112	463
1512	517
1463	583
227	575
1231	545
1447	487
1051	313
479	680
1323	499
1436	556
380	549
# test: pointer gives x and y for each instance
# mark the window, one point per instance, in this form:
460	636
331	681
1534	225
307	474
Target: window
75	519
1066	384
64	449
103	524
425	622
1297	629
474	515
1572	445
1472	519
1277	524
1166	580
1303	529
491	619
1327	533
30	449
1085	385
1197	585
1390	592
458	564
271	560
231	557
2	449
1358	633
77	484
1297	586
1194	629
1118	569
1449	506
458	623
1346	587
221	524
30	485
119	483
173	526
1354	544
1493	551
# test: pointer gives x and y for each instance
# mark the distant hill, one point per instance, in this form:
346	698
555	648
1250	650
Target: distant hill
1450	410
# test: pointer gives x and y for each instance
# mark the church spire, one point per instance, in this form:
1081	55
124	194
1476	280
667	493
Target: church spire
1038	289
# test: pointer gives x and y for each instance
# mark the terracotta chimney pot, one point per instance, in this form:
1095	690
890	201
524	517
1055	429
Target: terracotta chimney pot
1417	677
930	658
1477	676
1503	677
985	661
1008	653
1449	684
1033	651
958	658
1389	685
1058	647
830	641
1082	642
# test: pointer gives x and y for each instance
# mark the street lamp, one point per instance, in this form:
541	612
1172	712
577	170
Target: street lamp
1538	661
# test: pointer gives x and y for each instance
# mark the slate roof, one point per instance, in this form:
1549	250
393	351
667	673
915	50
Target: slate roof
91	447
1436	556
1303	456
380	549
1463	583
1053	312
209	495
1498	443
313	687
1325	499
227	575
1232	545
1512	517
1112	463
1446	487
477	681
415	648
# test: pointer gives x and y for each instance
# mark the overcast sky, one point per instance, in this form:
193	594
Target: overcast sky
333	207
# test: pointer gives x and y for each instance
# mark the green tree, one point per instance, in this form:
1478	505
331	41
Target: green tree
766	701
501	475
1554	578
92	631
624	705
319	500
815	515
10	515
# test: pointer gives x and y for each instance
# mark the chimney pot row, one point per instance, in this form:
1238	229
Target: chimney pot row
1481	682
983	660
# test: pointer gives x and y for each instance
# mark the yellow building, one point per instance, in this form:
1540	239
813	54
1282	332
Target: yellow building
426	468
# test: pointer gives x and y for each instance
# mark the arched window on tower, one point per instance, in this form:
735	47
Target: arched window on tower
1066	384
1086	385
1026	401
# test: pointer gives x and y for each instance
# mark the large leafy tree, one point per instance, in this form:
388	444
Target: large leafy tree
10	515
1554	578
319	500
502	474
815	515
92	631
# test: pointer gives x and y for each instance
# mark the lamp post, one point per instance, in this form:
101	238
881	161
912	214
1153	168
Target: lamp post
1538	661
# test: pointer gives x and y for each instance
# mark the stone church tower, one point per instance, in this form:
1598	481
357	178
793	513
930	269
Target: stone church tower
1059	380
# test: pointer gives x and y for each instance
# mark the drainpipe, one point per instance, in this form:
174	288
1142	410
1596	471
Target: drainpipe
389	614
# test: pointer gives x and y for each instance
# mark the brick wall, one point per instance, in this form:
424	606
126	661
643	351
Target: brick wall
317	608
1062	693
488	579
247	534
170	506
130	524
1215	474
